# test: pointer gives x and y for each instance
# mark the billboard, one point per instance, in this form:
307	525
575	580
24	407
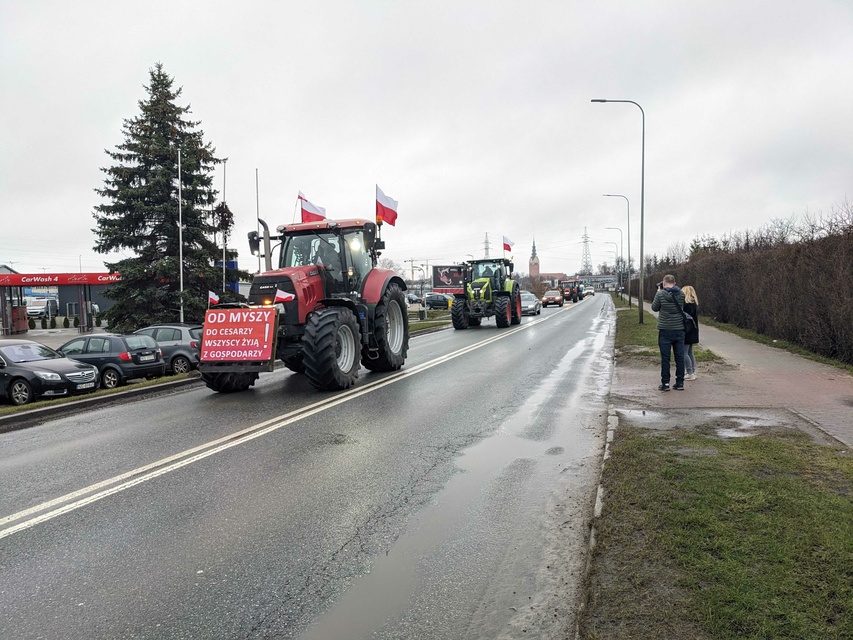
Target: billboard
447	276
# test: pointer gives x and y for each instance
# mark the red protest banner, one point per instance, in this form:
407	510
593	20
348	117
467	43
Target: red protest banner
238	335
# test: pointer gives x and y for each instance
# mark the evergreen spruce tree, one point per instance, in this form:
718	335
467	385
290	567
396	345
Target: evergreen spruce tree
140	213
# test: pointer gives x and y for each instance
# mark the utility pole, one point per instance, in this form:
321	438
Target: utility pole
586	261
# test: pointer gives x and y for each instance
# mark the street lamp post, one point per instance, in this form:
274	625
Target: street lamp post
642	195
628	265
621	256
617	250
180	237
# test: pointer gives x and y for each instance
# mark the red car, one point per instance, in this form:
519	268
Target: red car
552	297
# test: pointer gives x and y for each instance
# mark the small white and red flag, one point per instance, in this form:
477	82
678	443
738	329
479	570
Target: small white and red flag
212	298
283	296
310	212
508	244
386	208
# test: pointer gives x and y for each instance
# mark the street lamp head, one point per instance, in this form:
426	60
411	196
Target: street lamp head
598	100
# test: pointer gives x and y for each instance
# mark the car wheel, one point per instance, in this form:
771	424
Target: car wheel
20	392
110	379
181	365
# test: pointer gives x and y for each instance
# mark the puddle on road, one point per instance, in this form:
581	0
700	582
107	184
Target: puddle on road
521	461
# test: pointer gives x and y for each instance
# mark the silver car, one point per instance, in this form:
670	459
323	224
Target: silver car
530	304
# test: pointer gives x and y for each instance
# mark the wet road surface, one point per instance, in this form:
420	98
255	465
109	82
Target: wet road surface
448	500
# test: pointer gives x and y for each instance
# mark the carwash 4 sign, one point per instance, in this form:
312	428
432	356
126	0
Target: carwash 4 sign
238	335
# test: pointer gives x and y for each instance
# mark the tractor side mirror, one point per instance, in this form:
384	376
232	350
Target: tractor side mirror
254	243
369	233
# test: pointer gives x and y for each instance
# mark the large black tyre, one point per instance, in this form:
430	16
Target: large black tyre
503	314
474	322
20	392
574	297
460	314
331	347
516	306
294	363
229	382
390	331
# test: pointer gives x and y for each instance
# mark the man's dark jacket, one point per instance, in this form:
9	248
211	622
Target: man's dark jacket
668	303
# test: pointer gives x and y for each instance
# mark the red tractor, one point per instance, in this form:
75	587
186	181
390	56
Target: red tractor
334	310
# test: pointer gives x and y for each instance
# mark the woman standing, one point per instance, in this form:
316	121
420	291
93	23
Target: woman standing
691	336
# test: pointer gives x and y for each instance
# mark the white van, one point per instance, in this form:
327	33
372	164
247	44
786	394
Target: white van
42	307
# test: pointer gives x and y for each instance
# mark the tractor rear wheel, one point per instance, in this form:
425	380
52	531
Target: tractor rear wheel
229	382
331	347
516	307
390	331
503	314
460	314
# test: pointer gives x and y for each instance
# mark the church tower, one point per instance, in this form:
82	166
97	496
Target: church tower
534	264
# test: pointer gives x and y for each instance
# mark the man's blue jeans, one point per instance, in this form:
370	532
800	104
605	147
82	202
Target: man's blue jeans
671	341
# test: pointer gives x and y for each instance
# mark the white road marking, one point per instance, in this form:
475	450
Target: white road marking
116	484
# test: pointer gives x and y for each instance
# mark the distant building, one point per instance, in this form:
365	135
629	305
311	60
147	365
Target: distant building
534	264
553	278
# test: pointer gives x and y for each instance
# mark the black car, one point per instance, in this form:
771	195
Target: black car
119	358
30	370
438	300
413	298
180	344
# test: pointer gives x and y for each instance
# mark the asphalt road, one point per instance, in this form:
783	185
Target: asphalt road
448	500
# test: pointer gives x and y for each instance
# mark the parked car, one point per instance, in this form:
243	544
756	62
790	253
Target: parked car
180	344
438	300
530	305
552	297
30	370
119	358
42	308
412	298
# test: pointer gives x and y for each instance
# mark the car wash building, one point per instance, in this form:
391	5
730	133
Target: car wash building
71	295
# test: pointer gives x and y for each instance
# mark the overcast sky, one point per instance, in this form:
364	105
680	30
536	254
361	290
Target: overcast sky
475	115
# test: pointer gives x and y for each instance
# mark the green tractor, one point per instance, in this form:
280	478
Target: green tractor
488	291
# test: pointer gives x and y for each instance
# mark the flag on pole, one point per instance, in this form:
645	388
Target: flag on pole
283	296
508	244
310	212
386	208
212	298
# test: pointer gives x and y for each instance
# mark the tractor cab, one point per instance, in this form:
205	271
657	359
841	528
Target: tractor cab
340	255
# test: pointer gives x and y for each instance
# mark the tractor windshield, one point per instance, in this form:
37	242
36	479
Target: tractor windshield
485	270
313	248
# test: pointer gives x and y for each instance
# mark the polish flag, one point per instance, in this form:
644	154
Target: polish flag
310	212
283	296
212	298
386	208
508	244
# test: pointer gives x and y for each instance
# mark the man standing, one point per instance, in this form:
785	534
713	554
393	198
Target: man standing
668	302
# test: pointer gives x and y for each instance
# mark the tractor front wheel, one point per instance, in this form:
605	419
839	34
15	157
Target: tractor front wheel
503	313
294	363
331	346
460	314
390	331
229	382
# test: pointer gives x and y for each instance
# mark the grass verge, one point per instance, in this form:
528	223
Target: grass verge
642	339
133	384
705	537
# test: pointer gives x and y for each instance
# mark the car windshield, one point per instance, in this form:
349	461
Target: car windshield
552	293
28	353
528	296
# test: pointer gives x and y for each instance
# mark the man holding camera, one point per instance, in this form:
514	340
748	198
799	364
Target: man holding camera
668	302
